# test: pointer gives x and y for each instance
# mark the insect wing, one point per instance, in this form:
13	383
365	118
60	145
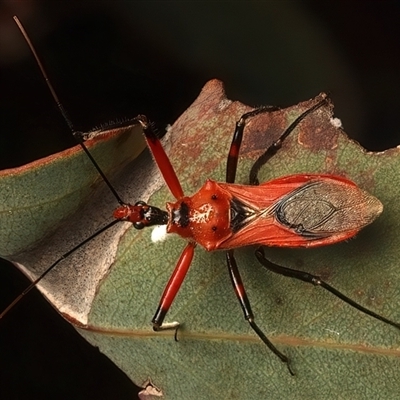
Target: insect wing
302	211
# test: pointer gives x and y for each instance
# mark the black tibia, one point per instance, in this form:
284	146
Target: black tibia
233	154
317	281
245	304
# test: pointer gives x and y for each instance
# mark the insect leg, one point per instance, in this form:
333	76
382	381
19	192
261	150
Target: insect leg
172	288
233	154
245	304
231	167
317	281
276	145
161	158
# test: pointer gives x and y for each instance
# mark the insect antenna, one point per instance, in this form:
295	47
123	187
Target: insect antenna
64	256
77	135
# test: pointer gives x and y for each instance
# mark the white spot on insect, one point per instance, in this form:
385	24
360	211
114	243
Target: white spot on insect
336	122
202	214
159	233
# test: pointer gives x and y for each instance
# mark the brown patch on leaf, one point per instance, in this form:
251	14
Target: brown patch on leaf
207	127
318	133
199	131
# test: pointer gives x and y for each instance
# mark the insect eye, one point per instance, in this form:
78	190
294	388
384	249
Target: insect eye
214	197
214	228
138	225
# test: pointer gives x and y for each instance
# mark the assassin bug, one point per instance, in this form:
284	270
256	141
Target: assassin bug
303	210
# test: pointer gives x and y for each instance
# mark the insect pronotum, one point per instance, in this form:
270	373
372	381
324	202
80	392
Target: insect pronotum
302	210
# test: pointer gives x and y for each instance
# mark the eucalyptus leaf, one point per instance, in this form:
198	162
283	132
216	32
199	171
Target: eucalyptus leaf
336	351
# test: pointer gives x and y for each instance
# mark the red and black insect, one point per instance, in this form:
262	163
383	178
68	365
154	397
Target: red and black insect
303	210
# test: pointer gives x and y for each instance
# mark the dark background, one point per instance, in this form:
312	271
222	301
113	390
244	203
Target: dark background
113	60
